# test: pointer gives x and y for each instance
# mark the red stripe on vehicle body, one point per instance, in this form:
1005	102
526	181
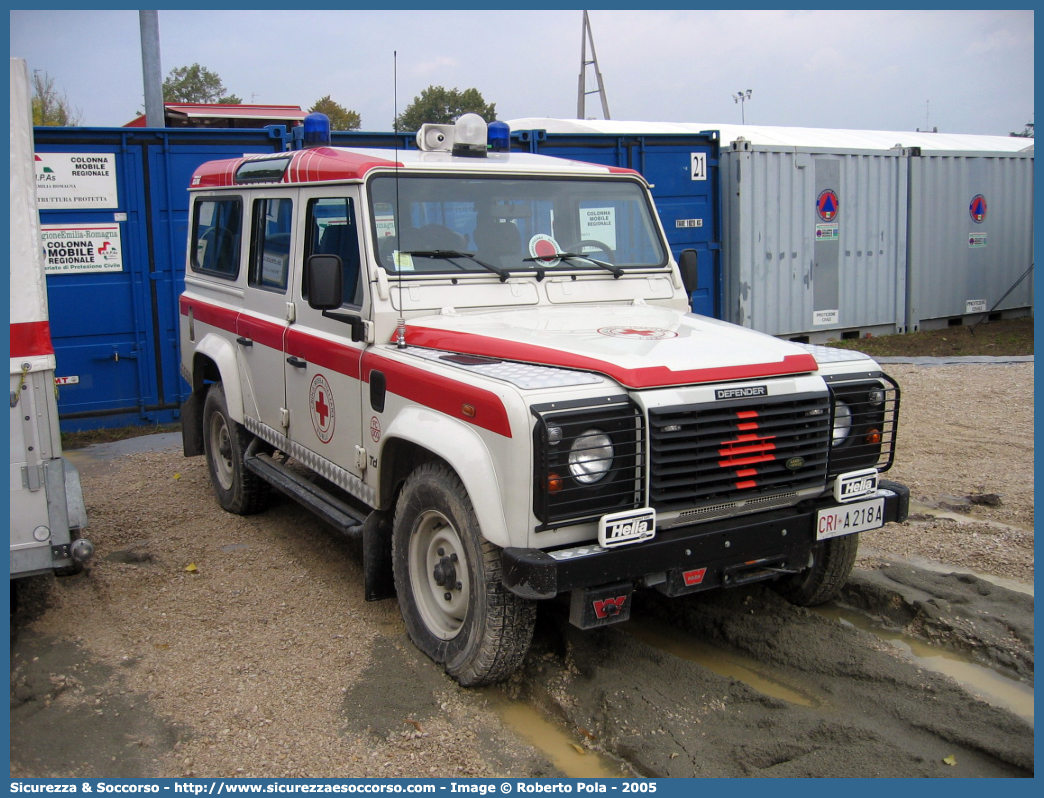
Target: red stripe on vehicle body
31	339
412	383
324	352
440	393
205	313
643	377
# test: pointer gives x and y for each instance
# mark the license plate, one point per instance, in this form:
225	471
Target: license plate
630	526
859	517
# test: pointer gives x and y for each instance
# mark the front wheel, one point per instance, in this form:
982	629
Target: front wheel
448	579
832	562
225	443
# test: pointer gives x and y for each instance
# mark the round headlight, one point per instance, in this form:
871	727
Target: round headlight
842	423
590	456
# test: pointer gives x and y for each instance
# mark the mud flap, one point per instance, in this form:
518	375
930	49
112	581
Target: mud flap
600	606
192	424
378	578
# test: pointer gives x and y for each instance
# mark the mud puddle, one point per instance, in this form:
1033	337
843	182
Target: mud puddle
671	640
995	686
563	749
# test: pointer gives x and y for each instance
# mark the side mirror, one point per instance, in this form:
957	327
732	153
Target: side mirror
324	281
688	266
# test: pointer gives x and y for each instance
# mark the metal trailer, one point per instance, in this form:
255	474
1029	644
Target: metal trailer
970	237
815	240
48	515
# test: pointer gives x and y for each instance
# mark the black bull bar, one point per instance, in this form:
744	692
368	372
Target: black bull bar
732	551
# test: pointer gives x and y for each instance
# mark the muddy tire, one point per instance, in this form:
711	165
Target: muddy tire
832	562
482	631
225	443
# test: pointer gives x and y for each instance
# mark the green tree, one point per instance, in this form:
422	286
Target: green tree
1027	133
196	84
441	106
340	117
51	107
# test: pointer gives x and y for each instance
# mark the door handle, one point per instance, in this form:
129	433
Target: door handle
244	341
296	362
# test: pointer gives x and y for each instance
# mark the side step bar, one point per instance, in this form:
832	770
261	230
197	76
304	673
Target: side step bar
331	509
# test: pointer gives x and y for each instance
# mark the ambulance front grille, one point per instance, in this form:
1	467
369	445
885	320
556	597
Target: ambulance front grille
734	451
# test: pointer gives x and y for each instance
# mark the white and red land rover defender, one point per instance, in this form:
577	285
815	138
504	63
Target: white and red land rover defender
482	363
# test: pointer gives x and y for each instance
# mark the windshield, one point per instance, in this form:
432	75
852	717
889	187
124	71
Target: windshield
512	226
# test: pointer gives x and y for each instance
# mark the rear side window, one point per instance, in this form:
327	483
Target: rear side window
217	226
270	243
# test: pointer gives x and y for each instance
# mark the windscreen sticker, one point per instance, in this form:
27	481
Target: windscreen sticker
403	261
544	247
599	224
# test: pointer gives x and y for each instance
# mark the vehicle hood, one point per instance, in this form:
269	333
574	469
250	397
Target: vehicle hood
639	346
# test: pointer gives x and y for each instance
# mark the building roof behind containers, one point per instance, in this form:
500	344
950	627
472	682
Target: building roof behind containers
808	137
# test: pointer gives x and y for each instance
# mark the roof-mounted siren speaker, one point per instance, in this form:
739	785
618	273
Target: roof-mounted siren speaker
435	138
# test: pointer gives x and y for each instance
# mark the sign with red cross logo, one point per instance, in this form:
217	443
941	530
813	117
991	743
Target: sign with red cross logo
321	405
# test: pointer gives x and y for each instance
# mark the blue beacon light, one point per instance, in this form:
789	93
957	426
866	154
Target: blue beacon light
316	130
498	136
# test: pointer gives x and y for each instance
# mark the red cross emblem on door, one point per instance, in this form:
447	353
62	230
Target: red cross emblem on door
321	407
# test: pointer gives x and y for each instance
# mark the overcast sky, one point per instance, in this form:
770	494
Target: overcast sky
961	71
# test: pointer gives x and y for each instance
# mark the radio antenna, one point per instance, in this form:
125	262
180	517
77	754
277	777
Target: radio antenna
400	327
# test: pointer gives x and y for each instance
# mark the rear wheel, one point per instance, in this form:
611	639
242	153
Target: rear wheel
225	442
448	579
832	562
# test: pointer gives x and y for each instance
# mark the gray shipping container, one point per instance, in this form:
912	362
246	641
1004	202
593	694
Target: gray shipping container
814	240
971	236
902	247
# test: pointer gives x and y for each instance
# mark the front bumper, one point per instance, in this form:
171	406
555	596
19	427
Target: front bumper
687	559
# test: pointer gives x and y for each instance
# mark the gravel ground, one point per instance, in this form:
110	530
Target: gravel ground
201	643
964	431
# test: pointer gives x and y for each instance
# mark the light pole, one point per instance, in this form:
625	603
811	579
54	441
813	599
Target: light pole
741	97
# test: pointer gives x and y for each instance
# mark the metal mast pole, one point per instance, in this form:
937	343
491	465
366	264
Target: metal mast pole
581	99
150	64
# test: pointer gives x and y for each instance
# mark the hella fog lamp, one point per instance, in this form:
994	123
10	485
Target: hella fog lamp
590	456
842	423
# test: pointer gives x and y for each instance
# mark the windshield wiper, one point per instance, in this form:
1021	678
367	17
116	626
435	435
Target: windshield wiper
452	253
616	270
446	254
